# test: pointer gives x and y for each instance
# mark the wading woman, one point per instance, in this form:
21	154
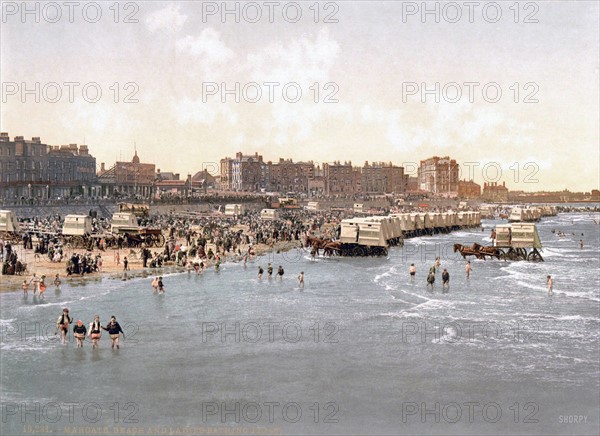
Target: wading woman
62	324
79	331
113	328
95	331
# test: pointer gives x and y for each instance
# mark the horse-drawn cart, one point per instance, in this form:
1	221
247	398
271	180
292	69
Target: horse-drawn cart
135	237
516	241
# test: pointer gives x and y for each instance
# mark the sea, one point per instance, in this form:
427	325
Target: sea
359	349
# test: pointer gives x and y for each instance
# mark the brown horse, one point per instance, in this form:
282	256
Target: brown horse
332	247
319	243
476	250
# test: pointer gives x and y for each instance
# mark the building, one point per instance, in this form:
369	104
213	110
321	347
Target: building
412	184
339	178
30	169
439	175
247	173
226	172
468	189
203	180
288	176
494	192
381	177
128	179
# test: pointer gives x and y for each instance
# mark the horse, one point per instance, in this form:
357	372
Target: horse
491	251
465	251
332	247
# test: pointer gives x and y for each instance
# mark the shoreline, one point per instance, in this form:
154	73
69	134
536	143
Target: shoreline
112	271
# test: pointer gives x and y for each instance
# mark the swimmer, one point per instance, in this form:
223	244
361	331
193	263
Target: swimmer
161	287
95	331
260	272
412	270
301	279
437	263
280	272
468	269
25	287
113	328
62	324
270	270
154	285
79	331
581	243
550	284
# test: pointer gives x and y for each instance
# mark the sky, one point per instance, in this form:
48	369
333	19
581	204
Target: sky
508	89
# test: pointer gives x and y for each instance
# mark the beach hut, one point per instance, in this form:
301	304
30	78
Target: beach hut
123	220
269	214
77	225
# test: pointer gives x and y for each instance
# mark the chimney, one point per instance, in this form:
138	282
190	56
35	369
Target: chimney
102	167
176	176
36	139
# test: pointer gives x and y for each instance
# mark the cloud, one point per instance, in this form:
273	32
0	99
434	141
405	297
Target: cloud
207	45
303	60
167	18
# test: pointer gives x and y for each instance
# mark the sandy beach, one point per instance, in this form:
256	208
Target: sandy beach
41	265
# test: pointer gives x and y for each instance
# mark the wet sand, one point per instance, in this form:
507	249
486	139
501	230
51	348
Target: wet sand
41	265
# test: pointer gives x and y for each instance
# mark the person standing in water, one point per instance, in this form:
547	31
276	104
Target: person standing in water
550	284
79	331
113	328
95	331
413	271
280	272
581	243
161	287
25	287
36	283
154	285
57	282
301	279
42	286
430	279
270	270
260	272
62	324
445	279
125	264
438	263
468	268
